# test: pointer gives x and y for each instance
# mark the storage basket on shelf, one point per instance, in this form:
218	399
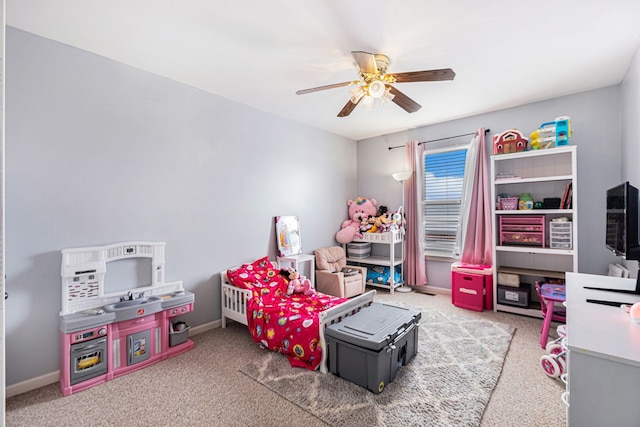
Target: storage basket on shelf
359	250
178	333
507	203
516	297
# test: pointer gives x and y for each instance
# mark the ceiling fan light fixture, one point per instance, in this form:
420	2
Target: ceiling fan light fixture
374	83
376	89
356	94
368	103
387	96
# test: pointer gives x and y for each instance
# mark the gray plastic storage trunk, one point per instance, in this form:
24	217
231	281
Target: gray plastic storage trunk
369	347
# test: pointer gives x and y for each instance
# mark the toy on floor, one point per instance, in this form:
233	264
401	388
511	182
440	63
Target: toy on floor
554	363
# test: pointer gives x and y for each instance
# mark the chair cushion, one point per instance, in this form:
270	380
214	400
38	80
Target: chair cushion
332	258
353	285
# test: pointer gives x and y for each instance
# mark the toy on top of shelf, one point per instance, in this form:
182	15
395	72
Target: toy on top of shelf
509	141
525	202
360	210
552	133
398	219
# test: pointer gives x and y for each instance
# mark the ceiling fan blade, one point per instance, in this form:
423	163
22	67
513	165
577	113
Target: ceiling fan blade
403	101
366	61
425	76
319	88
348	108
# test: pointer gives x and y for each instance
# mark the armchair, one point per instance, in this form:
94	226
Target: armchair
331	280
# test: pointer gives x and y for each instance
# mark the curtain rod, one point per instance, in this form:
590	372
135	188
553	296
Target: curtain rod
442	139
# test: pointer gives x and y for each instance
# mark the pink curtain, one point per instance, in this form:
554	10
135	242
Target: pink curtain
477	243
415	268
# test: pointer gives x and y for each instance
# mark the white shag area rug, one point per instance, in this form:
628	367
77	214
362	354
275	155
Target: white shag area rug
448	383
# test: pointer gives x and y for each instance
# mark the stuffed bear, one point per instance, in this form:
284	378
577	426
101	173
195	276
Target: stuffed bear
298	284
359	209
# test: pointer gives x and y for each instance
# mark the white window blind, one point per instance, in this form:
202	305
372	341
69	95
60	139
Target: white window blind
443	189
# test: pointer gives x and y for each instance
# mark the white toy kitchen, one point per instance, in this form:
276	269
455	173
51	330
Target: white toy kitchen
118	314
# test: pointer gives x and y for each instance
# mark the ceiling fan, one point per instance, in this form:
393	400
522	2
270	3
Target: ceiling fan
375	84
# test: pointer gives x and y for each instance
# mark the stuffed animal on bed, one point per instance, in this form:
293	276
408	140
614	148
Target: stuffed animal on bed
359	209
298	284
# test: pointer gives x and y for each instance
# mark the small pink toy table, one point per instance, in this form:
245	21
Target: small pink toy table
551	294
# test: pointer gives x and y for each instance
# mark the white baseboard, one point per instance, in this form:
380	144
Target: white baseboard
54	377
438	290
32	384
205	327
431	289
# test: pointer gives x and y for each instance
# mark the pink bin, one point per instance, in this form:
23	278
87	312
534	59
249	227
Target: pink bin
472	286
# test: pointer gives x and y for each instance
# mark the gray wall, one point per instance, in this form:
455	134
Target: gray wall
98	152
595	118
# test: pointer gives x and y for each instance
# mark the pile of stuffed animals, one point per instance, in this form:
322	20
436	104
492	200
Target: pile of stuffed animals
366	217
297	284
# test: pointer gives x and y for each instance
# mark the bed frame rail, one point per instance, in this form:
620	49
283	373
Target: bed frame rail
234	301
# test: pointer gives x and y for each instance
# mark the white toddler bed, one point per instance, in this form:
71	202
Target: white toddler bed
234	307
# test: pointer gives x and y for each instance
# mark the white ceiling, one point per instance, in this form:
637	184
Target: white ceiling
505	52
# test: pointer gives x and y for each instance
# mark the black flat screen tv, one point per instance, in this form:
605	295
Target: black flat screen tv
622	232
622	221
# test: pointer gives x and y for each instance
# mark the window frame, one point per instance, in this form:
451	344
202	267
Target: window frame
458	244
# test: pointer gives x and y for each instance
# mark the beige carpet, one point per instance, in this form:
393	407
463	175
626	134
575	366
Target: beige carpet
448	382
204	387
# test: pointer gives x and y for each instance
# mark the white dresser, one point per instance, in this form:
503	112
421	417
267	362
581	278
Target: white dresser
604	354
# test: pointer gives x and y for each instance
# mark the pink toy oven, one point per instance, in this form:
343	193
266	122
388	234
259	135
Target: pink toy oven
84	359
472	286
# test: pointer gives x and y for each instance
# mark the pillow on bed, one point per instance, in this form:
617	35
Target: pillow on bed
258	274
262	264
240	277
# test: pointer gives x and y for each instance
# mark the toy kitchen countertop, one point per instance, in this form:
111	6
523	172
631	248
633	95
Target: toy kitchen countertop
95	317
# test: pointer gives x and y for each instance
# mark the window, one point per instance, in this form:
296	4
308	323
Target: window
442	201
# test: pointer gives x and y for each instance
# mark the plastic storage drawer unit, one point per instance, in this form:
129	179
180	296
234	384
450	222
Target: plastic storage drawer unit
560	236
522	230
370	347
472	286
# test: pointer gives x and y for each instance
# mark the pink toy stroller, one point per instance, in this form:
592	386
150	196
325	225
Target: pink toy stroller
554	363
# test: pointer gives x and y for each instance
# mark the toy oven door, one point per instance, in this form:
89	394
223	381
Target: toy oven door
88	360
138	347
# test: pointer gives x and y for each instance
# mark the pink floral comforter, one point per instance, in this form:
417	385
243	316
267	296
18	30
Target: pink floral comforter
284	323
